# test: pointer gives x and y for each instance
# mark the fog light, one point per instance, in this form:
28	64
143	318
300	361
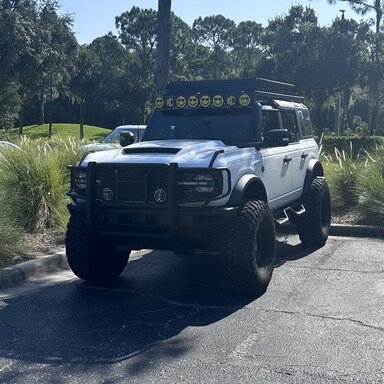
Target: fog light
160	195
80	181
107	194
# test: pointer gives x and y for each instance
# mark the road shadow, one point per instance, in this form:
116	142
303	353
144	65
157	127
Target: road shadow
140	317
288	251
79	324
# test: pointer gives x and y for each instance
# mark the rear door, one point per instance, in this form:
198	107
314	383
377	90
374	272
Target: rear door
308	150
277	164
294	152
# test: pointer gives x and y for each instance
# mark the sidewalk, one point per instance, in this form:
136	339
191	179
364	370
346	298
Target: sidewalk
17	274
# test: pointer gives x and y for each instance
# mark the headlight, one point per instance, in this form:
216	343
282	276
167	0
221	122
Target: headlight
205	183
195	185
79	181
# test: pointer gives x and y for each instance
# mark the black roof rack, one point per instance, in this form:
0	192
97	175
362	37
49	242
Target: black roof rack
263	89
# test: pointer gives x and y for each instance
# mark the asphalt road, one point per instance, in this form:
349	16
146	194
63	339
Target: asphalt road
169	319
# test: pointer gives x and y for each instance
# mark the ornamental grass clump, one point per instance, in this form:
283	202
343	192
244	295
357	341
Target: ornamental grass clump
371	190
344	182
10	232
34	181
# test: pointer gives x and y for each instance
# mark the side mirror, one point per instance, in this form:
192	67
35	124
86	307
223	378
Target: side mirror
276	138
126	138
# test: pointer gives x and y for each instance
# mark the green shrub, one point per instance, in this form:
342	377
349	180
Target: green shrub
371	190
345	193
357	185
10	232
34	181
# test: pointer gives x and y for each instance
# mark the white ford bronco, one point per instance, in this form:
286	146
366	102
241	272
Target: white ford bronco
221	162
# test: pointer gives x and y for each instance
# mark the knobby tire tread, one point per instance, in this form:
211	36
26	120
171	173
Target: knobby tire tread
310	229
244	274
89	259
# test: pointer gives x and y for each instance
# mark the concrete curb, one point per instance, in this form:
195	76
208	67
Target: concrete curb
357	231
342	230
17	274
12	276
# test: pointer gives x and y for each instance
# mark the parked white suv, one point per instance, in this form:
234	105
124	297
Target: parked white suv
220	163
112	140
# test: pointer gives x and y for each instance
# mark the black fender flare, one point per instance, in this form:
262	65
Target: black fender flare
248	187
314	170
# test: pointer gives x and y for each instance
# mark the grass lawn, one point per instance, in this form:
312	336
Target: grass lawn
59	130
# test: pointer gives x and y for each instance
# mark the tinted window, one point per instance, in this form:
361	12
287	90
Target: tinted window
290	123
305	121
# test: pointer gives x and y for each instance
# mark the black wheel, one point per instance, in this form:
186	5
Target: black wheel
249	249
91	259
313	226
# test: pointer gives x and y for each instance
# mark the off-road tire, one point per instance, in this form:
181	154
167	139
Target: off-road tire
313	227
91	259
249	249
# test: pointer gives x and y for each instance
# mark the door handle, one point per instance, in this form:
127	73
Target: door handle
304	155
287	159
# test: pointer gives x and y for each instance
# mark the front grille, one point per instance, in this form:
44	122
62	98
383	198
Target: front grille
130	184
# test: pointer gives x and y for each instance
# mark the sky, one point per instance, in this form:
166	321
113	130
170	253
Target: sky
95	18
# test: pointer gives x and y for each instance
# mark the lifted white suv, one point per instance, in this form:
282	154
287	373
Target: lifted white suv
220	163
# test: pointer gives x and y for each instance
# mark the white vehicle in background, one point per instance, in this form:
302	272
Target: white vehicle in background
112	140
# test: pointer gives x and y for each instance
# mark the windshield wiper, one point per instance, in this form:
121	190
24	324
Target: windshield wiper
206	121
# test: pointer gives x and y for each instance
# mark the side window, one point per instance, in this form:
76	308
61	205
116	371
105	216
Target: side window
290	123
305	121
270	120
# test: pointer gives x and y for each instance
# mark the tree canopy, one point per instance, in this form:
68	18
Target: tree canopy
338	68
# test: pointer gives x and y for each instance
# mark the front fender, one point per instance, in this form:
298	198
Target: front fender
248	187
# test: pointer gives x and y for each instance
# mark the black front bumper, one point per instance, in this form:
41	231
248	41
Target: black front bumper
136	228
130	215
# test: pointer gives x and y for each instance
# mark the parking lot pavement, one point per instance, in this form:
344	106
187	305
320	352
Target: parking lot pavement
18	274
170	319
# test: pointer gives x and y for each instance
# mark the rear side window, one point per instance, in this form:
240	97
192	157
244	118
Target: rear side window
290	124
305	121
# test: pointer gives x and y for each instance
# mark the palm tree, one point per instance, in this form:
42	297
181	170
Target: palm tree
363	7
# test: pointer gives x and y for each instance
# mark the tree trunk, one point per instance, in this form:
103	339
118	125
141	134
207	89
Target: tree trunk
379	15
163	45
82	119
42	103
50	106
346	94
21	120
374	116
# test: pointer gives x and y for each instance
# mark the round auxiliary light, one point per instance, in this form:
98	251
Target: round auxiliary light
160	195
107	194
81	181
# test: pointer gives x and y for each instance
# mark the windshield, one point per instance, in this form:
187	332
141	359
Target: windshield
113	137
231	127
